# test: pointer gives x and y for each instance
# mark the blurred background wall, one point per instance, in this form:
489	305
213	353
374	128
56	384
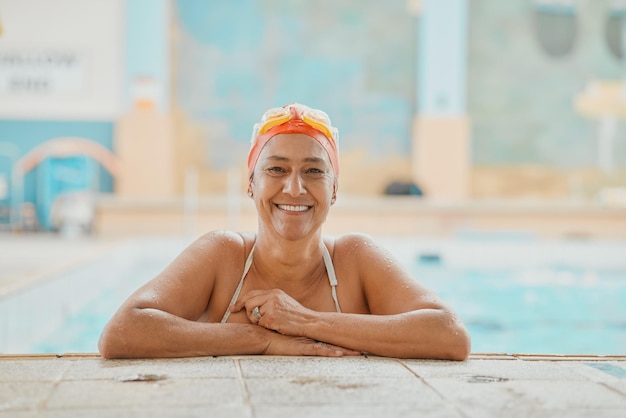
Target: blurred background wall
466	99
355	60
529	63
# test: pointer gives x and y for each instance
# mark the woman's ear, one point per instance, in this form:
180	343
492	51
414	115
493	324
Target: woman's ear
250	194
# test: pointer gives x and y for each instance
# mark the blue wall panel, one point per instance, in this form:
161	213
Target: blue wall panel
356	60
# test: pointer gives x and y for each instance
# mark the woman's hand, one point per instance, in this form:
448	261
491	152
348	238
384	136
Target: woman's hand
284	345
275	310
284	319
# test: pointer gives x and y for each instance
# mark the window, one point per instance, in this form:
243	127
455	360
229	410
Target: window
615	29
555	25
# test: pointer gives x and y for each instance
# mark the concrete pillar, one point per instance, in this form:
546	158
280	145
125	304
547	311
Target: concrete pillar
144	134
441	159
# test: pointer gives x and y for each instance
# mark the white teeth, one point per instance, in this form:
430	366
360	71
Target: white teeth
293	208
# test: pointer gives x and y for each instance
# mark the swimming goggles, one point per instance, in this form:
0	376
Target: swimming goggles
277	116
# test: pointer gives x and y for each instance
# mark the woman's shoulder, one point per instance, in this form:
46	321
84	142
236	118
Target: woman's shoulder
353	239
354	244
224	241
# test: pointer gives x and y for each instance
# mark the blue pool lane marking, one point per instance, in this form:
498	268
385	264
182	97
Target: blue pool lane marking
609	368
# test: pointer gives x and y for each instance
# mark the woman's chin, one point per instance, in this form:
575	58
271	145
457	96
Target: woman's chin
294	234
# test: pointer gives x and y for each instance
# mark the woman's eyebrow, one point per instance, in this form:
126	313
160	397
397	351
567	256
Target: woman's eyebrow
313	160
307	159
277	158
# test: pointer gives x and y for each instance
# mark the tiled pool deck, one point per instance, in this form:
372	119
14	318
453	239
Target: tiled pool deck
486	385
483	386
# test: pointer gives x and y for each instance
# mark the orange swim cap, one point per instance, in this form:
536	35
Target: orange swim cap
291	119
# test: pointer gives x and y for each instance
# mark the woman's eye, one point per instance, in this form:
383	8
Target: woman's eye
316	171
275	170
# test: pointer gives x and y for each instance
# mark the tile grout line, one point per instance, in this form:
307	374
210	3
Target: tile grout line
42	405
611	388
244	387
455	406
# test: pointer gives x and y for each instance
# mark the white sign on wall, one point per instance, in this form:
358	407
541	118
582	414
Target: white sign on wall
62	59
39	72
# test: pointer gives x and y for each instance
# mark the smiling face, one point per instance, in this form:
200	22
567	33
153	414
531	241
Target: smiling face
293	186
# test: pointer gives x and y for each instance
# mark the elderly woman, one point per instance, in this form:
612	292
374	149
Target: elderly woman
286	290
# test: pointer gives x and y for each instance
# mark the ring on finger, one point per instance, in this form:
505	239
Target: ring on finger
256	312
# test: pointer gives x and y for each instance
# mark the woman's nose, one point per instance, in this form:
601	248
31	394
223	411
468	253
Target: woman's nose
294	185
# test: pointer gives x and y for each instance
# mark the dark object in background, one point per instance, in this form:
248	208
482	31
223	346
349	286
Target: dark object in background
429	258
403	188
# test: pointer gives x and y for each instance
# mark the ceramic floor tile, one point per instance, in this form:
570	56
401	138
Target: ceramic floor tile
23	395
529	395
341	390
41	370
171	368
167	393
361	411
320	366
204	411
508	369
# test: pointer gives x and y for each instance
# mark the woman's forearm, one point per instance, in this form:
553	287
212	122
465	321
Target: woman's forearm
426	333
152	333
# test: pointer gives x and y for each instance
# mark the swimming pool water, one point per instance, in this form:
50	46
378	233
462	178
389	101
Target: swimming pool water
554	310
515	296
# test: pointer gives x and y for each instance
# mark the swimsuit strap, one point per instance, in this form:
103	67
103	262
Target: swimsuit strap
330	269
332	277
246	267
